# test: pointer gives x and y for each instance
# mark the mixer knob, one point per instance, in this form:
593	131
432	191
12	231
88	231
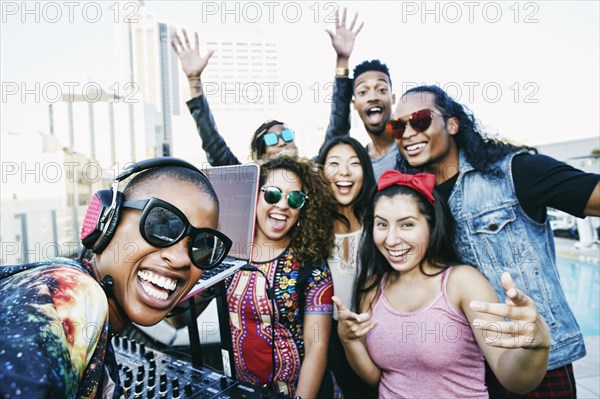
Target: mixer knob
152	380
175	385
223	382
128	373
162	389
127	383
139	389
142	349
187	388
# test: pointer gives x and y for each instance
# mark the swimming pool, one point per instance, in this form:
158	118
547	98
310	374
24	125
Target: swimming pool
581	282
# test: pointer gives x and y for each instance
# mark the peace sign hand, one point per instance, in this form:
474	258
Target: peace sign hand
526	329
351	325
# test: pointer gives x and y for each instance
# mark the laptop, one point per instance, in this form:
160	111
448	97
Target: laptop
237	189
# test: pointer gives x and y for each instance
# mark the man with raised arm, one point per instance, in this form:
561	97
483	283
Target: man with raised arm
372	92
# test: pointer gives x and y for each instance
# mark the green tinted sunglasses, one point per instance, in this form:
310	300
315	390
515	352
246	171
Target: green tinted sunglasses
295	199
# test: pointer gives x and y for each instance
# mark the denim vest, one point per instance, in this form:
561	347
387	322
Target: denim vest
496	235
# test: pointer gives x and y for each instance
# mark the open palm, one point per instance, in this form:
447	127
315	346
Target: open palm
344	37
191	61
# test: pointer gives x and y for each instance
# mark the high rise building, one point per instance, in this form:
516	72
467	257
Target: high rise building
45	191
138	60
94	134
241	83
242	86
108	128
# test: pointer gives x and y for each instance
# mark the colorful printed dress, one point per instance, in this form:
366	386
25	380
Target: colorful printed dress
54	333
250	317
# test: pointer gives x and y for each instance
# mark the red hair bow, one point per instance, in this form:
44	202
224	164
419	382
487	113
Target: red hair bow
421	182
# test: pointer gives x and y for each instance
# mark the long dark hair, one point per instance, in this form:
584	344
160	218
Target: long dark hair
440	251
362	201
480	150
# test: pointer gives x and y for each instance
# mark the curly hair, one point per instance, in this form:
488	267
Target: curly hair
481	151
374	65
312	237
257	146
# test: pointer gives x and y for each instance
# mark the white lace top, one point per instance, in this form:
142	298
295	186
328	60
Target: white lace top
343	265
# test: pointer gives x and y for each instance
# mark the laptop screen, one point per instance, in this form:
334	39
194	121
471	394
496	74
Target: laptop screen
237	189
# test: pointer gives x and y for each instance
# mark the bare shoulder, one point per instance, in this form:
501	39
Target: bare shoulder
466	283
464	274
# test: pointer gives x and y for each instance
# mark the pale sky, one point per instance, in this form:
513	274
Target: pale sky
529	70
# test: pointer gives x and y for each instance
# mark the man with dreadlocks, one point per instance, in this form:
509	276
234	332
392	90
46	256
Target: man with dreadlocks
498	194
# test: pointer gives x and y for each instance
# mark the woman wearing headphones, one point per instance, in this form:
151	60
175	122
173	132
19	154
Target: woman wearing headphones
151	244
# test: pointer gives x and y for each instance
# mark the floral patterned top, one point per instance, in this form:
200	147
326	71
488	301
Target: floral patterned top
54	333
250	313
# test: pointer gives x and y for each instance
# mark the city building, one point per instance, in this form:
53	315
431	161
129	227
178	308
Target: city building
45	192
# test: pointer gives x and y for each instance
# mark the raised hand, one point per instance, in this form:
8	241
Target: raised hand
526	329
191	62
343	38
351	325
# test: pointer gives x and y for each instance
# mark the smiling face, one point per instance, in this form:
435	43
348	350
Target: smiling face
400	232
345	173
373	100
150	281
289	147
274	221
435	148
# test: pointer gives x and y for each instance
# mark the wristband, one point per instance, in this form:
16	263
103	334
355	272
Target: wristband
342	72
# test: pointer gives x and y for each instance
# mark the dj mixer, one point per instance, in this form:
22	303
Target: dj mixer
149	373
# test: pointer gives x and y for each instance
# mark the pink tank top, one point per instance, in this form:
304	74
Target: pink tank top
428	353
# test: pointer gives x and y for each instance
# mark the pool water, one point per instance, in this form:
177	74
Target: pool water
581	283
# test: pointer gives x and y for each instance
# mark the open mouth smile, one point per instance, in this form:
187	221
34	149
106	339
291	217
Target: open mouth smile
157	286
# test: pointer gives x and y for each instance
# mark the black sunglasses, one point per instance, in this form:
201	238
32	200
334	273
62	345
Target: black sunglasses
419	121
163	225
295	199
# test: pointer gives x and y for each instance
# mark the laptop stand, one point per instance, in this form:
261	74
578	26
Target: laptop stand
225	331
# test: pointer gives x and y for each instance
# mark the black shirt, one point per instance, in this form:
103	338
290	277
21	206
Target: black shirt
542	181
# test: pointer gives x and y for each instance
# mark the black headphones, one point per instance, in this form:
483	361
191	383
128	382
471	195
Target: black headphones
104	211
